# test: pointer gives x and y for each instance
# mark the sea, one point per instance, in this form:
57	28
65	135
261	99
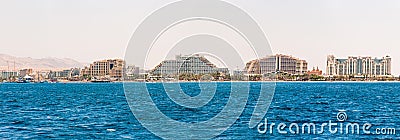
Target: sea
101	110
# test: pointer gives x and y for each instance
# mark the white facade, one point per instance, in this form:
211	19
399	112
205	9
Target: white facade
187	64
8	74
366	66
277	63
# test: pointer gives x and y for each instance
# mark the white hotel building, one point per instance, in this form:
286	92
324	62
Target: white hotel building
277	63
191	64
359	66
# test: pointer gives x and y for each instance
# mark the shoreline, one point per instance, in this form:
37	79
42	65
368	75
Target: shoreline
123	82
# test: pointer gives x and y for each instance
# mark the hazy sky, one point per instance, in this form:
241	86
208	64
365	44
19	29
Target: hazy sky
88	30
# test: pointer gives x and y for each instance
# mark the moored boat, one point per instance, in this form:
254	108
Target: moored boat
100	81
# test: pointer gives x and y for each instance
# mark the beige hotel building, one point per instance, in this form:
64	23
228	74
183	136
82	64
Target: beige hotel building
277	63
112	68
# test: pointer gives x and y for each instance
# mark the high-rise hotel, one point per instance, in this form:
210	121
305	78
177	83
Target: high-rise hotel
359	66
112	68
277	63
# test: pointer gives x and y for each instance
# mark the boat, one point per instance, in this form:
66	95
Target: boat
26	79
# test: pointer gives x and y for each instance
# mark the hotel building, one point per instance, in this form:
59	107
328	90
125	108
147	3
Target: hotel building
112	68
314	71
365	66
25	72
8	74
194	64
132	70
277	63
68	73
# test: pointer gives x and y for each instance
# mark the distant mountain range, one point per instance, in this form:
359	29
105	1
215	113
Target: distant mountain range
50	63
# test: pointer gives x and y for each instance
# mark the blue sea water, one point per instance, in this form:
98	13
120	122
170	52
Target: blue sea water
101	111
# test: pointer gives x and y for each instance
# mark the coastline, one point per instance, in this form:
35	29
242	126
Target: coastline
155	82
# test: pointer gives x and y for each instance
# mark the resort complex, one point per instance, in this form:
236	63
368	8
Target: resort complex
275	64
112	68
193	65
359	66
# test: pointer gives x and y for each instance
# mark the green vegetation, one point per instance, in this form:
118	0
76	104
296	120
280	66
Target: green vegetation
204	77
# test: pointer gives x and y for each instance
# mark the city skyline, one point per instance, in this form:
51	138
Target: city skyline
89	31
194	67
13	67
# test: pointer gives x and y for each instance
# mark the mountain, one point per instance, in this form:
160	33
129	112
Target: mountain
49	63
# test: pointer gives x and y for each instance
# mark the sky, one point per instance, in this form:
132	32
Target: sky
89	30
